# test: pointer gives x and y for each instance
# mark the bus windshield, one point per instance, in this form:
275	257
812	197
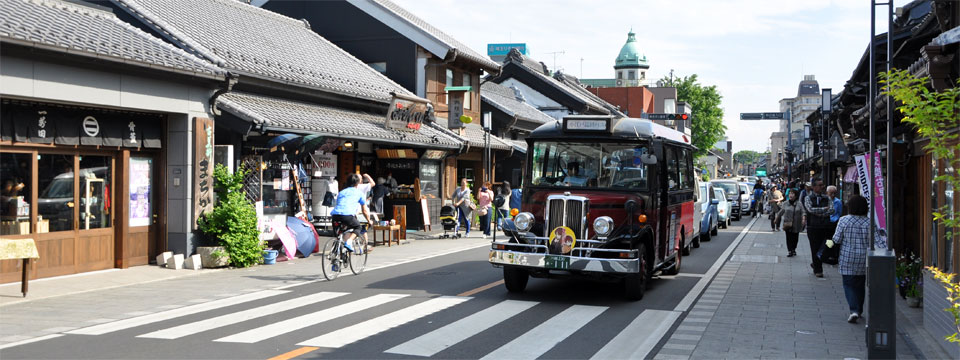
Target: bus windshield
593	165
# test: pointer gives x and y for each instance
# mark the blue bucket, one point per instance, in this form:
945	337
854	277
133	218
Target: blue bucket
270	257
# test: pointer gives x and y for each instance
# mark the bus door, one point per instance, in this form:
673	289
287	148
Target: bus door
672	201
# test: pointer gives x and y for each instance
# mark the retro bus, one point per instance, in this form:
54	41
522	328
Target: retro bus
603	198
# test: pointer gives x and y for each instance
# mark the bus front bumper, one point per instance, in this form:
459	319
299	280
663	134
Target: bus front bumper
564	262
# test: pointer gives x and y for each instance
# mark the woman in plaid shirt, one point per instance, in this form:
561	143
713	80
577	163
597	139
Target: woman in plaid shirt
852	235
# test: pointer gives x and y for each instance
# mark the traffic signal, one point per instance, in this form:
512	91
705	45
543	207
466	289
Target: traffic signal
681	116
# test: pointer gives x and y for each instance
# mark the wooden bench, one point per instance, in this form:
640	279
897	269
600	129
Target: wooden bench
20	249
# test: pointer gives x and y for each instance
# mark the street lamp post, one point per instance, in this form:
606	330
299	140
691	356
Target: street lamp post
825	108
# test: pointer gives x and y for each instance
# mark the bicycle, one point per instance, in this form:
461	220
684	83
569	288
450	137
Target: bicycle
335	254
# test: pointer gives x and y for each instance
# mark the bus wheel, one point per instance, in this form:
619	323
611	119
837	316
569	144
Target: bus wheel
686	249
635	285
696	241
515	279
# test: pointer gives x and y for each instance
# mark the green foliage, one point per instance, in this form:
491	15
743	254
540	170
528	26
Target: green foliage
953	296
934	116
233	221
749	156
704	102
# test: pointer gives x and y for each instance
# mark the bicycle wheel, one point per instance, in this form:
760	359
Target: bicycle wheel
330	259
358	262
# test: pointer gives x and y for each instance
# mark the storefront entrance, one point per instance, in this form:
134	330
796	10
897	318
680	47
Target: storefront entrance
82	184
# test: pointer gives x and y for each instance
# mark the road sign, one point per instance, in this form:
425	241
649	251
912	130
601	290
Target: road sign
660	116
762	171
762	116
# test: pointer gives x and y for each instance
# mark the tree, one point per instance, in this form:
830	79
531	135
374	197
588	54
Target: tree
704	102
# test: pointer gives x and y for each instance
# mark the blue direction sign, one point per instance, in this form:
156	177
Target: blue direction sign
763	116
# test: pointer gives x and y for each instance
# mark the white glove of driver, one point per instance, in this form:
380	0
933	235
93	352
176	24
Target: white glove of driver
830	243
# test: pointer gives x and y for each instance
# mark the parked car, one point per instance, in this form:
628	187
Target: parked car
723	208
731	189
745	199
708	207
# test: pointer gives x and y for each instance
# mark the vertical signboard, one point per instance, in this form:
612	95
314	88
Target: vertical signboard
203	168
455	110
875	185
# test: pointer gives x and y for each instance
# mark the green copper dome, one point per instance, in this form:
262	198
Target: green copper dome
630	55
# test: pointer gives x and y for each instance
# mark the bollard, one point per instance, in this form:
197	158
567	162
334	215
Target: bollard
163	258
880	305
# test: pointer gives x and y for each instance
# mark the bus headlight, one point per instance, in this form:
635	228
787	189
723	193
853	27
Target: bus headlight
524	221
603	225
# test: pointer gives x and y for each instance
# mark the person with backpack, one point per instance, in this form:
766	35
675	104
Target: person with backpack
818	208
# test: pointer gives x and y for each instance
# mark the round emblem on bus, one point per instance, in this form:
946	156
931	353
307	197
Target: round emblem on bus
562	240
90	126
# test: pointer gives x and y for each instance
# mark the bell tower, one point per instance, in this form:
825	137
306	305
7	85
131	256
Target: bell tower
631	66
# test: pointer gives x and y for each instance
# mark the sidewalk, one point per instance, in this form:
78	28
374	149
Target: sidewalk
60	304
763	304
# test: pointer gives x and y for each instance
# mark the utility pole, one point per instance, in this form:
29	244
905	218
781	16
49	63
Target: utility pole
581	68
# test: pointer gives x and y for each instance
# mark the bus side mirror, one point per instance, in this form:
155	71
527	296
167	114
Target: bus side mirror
715	202
742	192
648	159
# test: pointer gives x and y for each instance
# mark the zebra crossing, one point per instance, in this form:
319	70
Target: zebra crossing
636	340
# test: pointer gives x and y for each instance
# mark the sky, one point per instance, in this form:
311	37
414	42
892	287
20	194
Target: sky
754	51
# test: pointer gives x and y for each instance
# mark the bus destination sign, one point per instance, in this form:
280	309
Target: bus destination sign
589	125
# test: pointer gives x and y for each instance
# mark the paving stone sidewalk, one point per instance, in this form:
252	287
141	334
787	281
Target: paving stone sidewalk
763	304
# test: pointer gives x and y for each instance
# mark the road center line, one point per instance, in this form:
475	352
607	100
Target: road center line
292	354
482	288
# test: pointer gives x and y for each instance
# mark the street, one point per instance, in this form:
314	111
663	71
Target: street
448	306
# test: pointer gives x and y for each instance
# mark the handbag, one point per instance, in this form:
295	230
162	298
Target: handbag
482	212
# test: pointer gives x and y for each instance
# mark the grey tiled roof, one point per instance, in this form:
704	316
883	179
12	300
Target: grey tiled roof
572	83
519	145
303	117
251	41
461	49
474	135
72	28
504	99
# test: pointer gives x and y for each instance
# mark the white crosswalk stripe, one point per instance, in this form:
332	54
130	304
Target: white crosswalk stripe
175	313
444	337
544	337
241	316
300	322
351	334
640	337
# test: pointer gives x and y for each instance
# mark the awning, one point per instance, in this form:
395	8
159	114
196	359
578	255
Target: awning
284	115
54	124
475	136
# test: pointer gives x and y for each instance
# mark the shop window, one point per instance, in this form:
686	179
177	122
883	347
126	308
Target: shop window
467	97
430	178
277	186
141	187
96	175
449	84
56	198
15	179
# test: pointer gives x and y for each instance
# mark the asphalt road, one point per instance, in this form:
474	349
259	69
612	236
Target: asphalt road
444	307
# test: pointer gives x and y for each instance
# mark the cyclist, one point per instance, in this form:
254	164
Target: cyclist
348	201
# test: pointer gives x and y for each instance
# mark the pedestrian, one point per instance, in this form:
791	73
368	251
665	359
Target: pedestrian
485	207
390	181
817	211
852	236
829	256
757	203
378	192
776	198
792	214
506	192
465	206
515	198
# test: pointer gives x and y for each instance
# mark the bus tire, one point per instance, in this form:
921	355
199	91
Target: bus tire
696	241
634	285
515	279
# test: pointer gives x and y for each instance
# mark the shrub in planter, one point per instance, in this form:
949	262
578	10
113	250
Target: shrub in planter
233	221
909	274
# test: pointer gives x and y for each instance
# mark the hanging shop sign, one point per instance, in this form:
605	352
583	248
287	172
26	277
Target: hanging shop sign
52	124
326	165
876	185
396	154
433	154
406	113
203	171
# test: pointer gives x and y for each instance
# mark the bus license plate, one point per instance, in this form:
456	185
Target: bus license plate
557	262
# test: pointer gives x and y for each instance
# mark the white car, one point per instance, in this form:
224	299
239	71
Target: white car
723	208
745	195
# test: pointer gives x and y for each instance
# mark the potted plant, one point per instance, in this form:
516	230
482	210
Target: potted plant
233	221
909	273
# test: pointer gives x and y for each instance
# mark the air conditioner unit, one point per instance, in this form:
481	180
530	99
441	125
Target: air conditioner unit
619	82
